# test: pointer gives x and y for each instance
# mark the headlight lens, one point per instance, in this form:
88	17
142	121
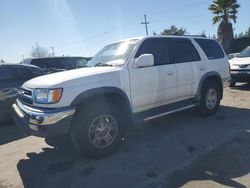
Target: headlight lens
47	96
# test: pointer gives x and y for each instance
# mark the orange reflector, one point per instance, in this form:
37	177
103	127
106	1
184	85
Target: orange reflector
56	95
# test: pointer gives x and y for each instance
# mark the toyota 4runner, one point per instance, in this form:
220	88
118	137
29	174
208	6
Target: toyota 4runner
140	78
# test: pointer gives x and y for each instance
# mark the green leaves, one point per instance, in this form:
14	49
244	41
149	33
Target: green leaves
224	10
173	30
216	19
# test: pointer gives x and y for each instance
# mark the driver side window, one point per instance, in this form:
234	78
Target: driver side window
159	48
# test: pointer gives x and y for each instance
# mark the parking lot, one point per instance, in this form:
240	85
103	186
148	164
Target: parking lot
183	149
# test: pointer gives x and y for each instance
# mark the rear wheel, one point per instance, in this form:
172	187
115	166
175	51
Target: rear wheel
98	129
210	99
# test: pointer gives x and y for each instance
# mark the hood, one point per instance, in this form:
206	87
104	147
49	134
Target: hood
240	61
53	80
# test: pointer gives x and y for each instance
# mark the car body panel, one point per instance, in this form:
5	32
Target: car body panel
9	86
240	69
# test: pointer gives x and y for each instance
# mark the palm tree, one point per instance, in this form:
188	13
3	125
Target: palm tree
225	11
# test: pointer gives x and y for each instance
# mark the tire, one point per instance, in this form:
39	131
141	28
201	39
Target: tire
98	129
210	99
232	84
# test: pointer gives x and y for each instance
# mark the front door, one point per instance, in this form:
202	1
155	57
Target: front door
157	85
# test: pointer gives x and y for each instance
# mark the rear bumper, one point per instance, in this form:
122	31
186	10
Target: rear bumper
42	122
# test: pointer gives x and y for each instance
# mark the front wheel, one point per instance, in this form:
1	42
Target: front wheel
98	130
210	99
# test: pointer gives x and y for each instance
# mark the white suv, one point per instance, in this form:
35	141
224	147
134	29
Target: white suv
140	78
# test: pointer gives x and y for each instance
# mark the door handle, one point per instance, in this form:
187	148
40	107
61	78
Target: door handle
170	73
202	68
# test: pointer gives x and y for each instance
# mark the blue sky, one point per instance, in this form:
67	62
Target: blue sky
82	27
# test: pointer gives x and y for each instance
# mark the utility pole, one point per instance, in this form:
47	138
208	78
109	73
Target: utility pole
53	52
145	23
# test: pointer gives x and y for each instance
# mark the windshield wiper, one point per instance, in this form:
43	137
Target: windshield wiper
102	65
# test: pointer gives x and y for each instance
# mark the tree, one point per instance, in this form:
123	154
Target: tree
240	35
243	34
39	51
225	11
154	33
203	34
173	30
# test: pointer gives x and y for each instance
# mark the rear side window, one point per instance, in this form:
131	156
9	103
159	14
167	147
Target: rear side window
159	48
211	48
6	73
184	51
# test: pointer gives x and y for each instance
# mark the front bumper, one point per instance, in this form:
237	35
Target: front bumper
240	76
42	122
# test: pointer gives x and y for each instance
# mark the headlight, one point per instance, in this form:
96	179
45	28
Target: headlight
47	96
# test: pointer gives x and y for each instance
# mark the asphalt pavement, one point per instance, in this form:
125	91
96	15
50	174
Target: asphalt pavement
180	150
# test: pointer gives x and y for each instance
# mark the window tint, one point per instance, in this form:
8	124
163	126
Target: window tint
81	62
23	74
36	72
184	51
5	73
48	63
245	52
159	48
211	48
68	63
60	63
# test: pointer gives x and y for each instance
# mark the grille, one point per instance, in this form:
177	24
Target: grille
25	96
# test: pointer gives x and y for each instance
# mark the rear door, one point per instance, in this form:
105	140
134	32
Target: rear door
187	62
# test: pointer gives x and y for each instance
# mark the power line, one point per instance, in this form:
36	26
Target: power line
87	41
145	23
108	31
129	22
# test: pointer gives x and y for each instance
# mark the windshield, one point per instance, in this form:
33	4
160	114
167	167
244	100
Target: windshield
114	54
245	52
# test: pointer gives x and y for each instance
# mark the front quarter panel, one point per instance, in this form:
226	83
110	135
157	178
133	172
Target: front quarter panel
73	88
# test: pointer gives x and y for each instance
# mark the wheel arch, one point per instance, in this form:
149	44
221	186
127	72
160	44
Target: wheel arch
214	76
107	94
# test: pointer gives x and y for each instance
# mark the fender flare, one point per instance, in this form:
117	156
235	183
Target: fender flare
102	91
203	80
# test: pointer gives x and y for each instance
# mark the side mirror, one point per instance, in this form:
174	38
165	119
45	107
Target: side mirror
145	60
